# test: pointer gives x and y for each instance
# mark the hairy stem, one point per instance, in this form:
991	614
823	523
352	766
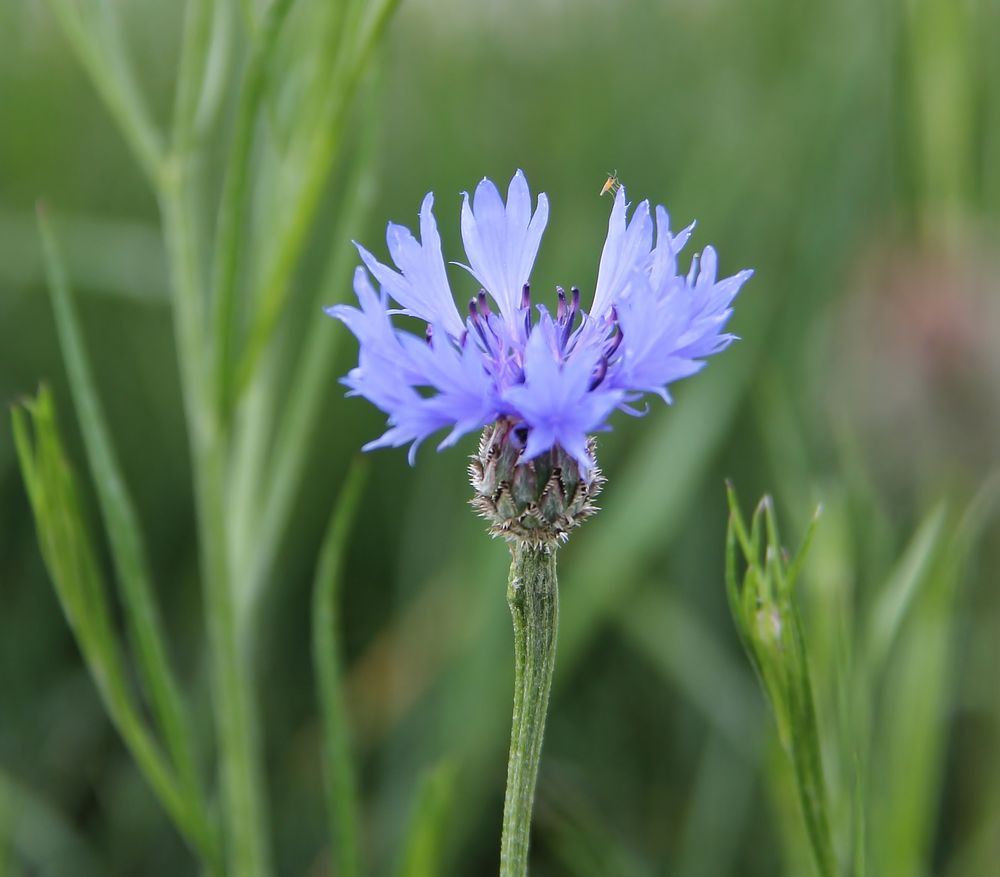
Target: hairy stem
533	595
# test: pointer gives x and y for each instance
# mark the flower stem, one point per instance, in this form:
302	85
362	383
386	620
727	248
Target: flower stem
533	595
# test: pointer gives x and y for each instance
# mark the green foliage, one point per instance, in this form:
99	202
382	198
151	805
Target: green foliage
766	613
37	835
885	681
70	558
427	839
204	181
218	364
128	550
341	784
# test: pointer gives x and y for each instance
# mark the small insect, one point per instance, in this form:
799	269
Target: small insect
612	184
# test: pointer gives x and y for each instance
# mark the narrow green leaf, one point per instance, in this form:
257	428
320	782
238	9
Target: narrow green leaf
911	732
860	819
39	837
732	583
718	811
234	207
311	375
806	753
426	842
771	523
25	452
795	568
910	756
249	16
340	783
93	31
195	41
685	650
127	545
218	72
317	164
579	837
770	627
109	257
901	590
70	558
314	48
736	523
757	528
774	559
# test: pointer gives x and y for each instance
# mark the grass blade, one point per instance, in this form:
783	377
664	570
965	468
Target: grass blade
317	164
424	850
234	208
97	43
902	588
340	784
128	548
309	381
71	560
686	651
39	837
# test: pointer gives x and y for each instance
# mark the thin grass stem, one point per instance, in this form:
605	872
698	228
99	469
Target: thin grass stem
128	553
317	165
340	783
115	83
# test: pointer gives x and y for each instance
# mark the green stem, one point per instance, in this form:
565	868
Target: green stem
297	423
234	210
316	166
114	79
533	595
237	721
236	710
128	553
340	782
191	70
71	561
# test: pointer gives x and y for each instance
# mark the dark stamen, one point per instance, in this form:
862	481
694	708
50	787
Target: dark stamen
477	321
429	333
615	342
561	310
526	295
569	313
484	303
599	372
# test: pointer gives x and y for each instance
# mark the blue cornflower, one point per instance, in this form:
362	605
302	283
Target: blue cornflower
553	379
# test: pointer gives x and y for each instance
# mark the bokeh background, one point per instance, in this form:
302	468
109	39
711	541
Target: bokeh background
849	152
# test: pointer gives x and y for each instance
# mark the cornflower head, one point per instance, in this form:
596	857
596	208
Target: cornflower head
539	384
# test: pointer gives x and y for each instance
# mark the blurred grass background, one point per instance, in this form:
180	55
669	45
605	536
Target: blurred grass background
848	151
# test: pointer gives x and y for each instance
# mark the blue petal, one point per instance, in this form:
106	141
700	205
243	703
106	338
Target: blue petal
501	242
626	250
555	401
422	286
649	326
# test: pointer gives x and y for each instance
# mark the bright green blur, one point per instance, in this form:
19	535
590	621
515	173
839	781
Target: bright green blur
848	151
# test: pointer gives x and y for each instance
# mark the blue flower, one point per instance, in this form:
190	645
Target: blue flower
553	379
